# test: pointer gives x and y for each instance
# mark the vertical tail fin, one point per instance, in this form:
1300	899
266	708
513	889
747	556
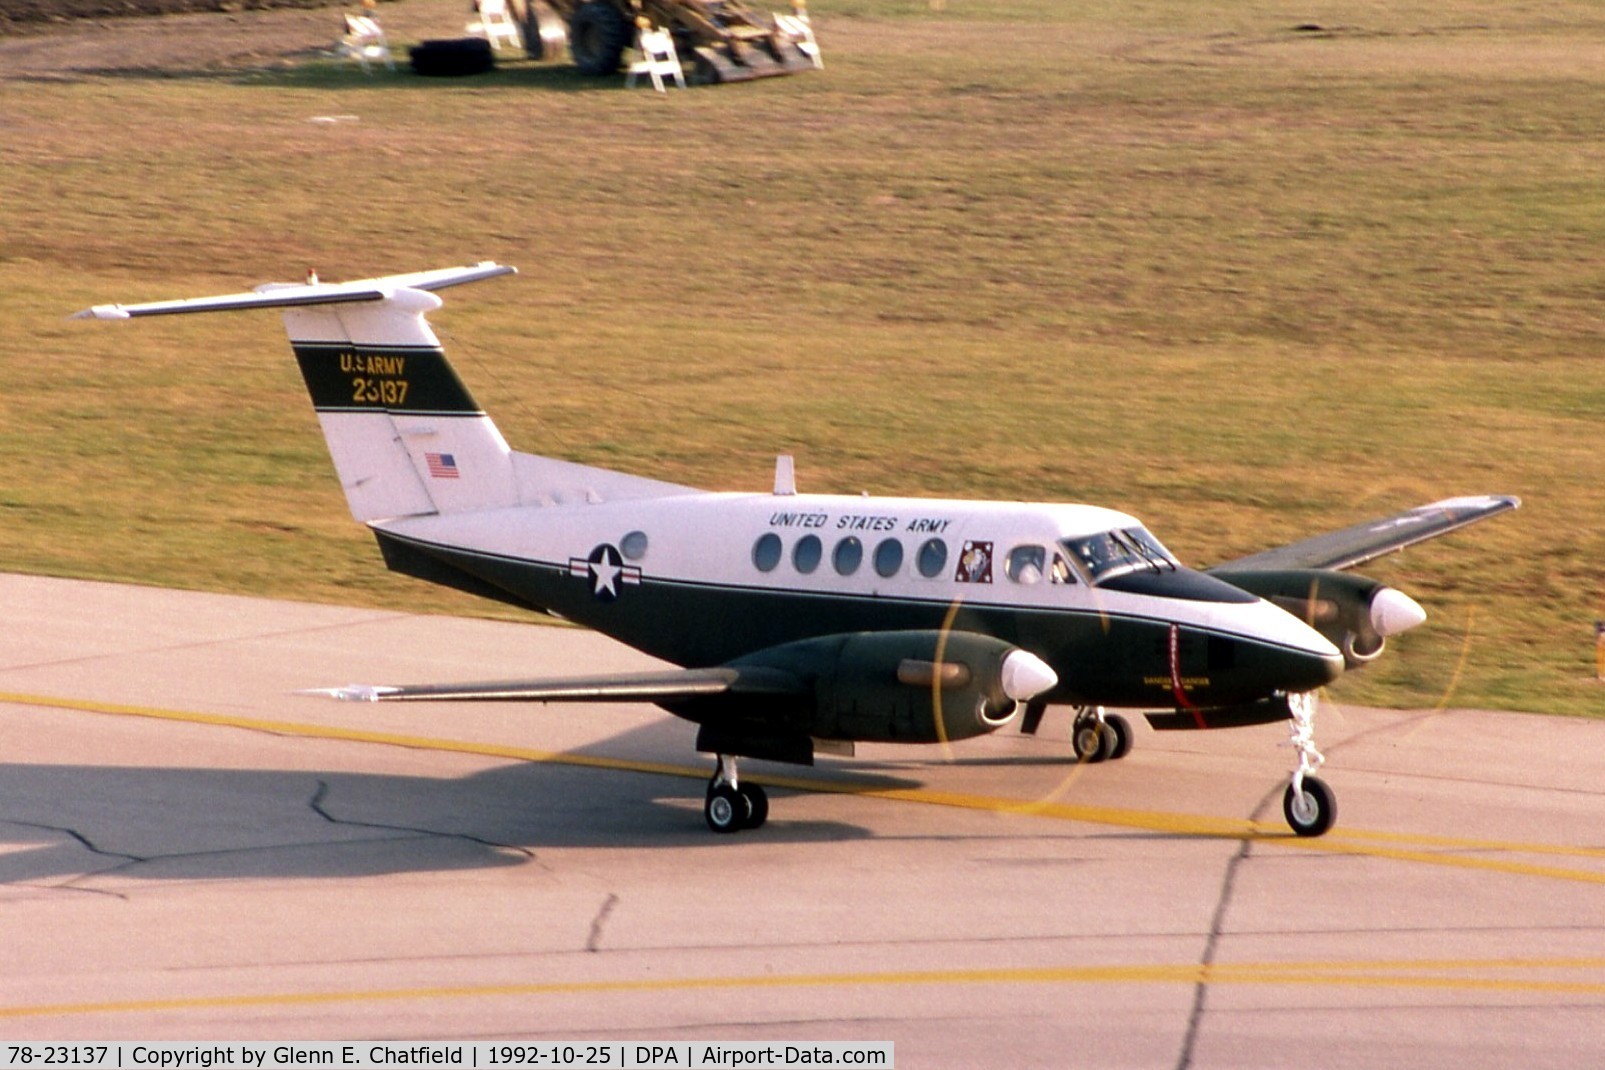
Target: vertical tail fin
405	435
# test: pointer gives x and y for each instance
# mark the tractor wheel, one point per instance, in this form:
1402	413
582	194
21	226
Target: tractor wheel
598	34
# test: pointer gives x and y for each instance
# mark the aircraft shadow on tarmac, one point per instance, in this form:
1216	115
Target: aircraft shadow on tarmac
70	823
61	823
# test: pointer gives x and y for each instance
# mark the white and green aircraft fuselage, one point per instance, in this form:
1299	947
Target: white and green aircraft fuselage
806	622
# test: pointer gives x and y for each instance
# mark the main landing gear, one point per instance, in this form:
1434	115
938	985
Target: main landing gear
1308	804
1096	736
731	805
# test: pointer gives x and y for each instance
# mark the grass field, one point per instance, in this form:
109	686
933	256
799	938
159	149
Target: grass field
1246	278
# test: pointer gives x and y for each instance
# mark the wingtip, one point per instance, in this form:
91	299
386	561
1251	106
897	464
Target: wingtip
1476	502
352	692
102	312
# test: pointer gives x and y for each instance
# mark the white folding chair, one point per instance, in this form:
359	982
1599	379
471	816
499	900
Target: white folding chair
801	31
658	58
364	40
495	23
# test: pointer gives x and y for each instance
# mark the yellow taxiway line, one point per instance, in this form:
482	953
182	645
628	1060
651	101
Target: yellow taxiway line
1455	852
1481	975
1512	975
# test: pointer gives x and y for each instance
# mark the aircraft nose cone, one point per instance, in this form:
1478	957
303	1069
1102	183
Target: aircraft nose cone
1394	611
1306	670
1025	676
1315	663
1330	669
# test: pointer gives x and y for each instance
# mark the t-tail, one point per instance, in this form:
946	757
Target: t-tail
405	434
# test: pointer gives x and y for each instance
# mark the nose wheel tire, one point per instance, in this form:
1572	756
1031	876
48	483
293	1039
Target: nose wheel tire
1310	808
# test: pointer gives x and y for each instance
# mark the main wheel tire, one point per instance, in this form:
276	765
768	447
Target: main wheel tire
1122	732
757	801
1087	740
725	810
598	34
1108	741
1312	811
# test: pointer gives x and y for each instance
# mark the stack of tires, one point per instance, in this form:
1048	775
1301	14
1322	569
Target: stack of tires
453	58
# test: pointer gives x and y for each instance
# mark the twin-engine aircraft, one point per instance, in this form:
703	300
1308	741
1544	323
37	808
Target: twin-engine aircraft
805	623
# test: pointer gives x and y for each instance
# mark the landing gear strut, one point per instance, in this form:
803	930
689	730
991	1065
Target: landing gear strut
1098	736
731	805
1308	804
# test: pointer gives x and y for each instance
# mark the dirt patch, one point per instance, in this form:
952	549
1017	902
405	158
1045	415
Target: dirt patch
22	15
172	36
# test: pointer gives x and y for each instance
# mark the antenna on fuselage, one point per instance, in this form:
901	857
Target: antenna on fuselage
785	475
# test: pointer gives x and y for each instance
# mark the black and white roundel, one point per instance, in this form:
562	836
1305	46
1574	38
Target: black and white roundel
606	571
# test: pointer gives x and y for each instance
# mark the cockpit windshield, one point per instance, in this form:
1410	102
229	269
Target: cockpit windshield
1113	553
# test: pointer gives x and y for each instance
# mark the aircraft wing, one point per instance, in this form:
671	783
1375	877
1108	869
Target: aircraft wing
665	686
1363	542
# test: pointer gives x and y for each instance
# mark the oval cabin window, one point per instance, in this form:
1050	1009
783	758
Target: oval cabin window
806	555
888	558
847	556
766	552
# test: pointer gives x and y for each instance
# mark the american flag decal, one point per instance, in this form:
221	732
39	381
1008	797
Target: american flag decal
441	465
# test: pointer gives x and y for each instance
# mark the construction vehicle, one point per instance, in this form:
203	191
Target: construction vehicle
725	40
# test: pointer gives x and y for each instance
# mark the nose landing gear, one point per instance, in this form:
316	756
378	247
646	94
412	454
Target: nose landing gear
1308	804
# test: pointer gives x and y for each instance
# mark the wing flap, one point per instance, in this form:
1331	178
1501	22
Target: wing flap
1363	542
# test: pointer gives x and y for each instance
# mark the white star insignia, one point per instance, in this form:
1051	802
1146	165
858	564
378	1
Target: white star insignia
604	577
606	572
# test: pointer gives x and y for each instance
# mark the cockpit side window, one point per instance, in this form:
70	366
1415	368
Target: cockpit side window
1062	573
1025	564
1096	554
1110	553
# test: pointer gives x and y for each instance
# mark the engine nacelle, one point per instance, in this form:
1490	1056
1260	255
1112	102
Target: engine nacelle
909	686
1355	614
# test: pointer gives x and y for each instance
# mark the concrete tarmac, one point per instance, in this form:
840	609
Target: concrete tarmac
190	850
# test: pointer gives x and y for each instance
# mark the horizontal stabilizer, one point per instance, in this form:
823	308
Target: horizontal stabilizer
405	435
305	295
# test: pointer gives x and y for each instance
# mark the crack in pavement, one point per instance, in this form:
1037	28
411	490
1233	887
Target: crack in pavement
1206	961
594	941
71	884
124	861
1217	927
321	794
